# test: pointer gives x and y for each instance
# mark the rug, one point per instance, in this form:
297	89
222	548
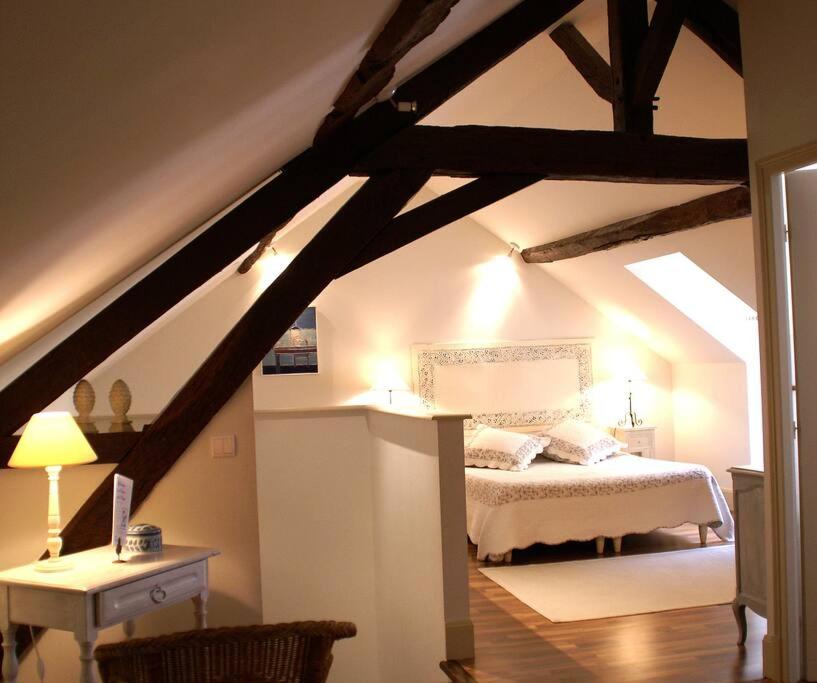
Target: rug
619	586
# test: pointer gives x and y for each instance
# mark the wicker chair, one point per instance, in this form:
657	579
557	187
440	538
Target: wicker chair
299	652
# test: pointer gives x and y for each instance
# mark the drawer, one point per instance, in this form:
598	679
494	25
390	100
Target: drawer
140	597
639	441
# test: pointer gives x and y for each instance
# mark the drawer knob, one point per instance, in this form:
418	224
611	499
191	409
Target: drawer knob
158	594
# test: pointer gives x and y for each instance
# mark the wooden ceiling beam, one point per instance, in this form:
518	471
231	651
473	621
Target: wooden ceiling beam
303	180
412	21
717	25
714	208
627	27
653	57
562	155
439	212
582	55
211	386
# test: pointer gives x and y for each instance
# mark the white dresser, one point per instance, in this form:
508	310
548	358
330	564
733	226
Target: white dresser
639	440
750	561
96	592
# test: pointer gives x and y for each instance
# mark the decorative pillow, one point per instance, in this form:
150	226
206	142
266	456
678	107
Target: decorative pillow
501	450
580	443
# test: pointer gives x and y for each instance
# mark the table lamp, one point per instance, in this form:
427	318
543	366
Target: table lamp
390	381
52	440
630	419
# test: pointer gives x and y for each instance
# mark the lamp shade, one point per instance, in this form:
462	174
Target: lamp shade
51	439
390	382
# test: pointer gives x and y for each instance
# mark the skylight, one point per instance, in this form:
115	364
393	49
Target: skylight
724	316
702	299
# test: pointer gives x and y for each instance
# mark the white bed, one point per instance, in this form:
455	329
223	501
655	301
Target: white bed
541	383
553	502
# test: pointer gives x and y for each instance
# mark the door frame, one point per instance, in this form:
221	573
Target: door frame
783	645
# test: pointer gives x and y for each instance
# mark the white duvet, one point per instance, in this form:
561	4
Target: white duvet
553	502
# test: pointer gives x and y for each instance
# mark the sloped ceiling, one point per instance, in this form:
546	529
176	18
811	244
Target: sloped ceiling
127	125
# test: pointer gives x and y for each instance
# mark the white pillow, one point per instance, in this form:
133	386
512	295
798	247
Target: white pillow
501	450
580	443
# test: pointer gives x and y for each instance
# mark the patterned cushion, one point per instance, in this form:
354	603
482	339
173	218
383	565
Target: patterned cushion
501	450
580	443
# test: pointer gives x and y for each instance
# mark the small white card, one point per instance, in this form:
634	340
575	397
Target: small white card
122	491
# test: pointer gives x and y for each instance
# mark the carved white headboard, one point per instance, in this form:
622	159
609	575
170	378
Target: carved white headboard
507	384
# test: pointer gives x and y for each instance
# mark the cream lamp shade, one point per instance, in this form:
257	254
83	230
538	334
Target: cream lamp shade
51	439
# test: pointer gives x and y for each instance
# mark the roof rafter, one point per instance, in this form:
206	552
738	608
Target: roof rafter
713	208
653	57
716	24
588	62
439	212
562	155
412	21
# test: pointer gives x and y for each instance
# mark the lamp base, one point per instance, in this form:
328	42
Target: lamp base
58	564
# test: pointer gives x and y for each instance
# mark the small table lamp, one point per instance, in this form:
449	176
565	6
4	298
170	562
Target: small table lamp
630	419
391	382
52	440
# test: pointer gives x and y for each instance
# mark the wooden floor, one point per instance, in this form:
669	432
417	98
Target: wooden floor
514	643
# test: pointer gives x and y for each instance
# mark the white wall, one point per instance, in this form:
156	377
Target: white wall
351	528
711	416
187	508
779	64
454	285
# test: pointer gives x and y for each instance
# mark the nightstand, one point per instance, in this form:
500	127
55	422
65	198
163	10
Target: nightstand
639	440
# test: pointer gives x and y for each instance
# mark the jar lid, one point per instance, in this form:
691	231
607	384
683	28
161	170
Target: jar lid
144	530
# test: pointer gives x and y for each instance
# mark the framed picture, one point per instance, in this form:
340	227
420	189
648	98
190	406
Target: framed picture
296	353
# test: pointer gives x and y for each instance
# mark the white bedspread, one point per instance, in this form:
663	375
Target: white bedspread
553	502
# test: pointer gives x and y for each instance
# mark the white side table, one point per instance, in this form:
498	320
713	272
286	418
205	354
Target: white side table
639	440
96	593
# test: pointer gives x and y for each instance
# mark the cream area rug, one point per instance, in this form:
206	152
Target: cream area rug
618	586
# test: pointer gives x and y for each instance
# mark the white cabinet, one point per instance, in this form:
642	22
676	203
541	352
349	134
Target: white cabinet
750	560
639	440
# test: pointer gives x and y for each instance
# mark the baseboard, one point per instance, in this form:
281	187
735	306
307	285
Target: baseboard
771	657
459	639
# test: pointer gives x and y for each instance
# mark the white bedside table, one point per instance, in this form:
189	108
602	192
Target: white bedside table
96	593
639	440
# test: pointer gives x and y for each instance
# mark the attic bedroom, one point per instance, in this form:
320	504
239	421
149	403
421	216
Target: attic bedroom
408	340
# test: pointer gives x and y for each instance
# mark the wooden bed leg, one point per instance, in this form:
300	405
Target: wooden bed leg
507	556
600	545
617	544
703	529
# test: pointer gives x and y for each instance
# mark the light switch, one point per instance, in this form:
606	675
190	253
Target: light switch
222	446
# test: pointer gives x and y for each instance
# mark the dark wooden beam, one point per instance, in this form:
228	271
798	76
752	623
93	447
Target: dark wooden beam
627	27
304	179
439	212
722	206
260	248
656	49
589	63
562	155
717	25
109	447
412	21
233	360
